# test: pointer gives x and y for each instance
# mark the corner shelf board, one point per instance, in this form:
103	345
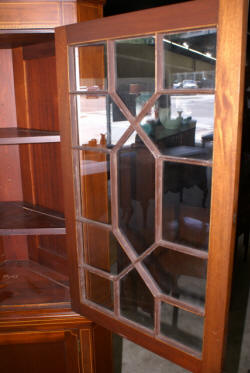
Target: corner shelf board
27	282
20	218
12	136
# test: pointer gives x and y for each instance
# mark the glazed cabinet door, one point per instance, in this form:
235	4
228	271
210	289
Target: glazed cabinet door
150	106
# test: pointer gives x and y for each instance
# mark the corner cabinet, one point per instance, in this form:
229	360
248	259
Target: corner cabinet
151	120
38	329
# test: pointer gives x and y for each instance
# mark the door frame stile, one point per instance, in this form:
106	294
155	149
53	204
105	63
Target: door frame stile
231	57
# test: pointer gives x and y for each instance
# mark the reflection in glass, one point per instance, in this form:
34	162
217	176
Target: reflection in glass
182	326
91	67
100	121
135	66
95	185
186	204
182	126
136	300
129	357
179	275
136	193
189	59
99	290
102	250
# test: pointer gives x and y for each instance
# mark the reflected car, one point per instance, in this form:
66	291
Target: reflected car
177	84
189	84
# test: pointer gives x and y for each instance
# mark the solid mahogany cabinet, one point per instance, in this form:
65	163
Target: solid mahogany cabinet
38	330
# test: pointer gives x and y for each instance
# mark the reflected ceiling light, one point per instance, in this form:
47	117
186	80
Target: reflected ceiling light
186	45
207	55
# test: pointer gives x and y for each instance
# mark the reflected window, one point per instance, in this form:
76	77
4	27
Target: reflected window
94	173
91	67
186	204
100	121
135	66
182	125
189	59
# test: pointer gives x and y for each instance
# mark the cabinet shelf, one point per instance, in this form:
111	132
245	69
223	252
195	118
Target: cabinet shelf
11	136
27	282
19	218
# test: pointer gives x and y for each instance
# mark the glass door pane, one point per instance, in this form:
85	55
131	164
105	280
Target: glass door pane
143	242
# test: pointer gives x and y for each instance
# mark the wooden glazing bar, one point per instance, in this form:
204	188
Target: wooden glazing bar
158	198
157	313
125	271
102	310
114	189
183	249
180	304
97	271
187	92
111	66
150	145
116	298
150	283
159	62
193	161
82	284
94	223
124	109
74	120
146	253
89	92
80	243
77	183
92	149
125	244
72	69
123	139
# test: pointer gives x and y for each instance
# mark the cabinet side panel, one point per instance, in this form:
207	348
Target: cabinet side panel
10	176
35	80
46	158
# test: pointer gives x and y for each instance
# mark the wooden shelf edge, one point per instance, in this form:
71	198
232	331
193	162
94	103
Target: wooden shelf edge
32	231
20	218
15	136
